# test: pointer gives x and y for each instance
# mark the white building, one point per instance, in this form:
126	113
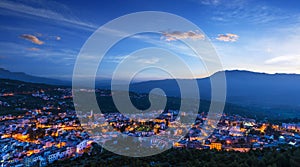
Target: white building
53	157
81	146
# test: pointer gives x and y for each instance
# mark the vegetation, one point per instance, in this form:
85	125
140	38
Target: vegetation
191	157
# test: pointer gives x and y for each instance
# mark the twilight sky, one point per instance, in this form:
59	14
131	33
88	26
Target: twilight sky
44	37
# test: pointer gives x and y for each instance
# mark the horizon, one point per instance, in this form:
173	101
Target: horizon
99	78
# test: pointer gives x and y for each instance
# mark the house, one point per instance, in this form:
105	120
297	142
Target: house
70	151
182	143
43	161
53	157
217	146
81	146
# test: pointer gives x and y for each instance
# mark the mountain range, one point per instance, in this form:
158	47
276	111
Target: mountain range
20	76
244	88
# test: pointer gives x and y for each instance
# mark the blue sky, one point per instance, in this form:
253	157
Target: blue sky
44	37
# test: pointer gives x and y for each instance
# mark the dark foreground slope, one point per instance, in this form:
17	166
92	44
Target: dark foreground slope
191	157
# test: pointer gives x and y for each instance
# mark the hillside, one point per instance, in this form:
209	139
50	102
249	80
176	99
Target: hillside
23	99
243	88
20	76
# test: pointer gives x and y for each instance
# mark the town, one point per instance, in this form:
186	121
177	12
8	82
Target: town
51	130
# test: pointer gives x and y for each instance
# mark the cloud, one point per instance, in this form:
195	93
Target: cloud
48	37
228	37
177	35
210	2
118	59
38	34
284	60
248	12
220	3
58	38
42	10
32	38
113	59
177	47
33	49
153	60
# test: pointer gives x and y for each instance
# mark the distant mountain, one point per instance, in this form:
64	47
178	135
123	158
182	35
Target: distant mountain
20	76
243	87
246	88
259	95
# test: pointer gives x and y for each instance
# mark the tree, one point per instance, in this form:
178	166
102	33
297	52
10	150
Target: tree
31	133
295	159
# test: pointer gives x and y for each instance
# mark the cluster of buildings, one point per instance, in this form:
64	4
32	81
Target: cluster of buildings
41	139
232	132
54	131
291	126
240	134
42	135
